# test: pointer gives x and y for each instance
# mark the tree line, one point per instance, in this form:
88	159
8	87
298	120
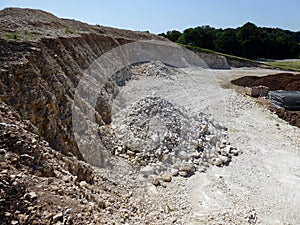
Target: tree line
247	41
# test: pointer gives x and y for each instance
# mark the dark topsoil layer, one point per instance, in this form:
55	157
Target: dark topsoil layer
280	81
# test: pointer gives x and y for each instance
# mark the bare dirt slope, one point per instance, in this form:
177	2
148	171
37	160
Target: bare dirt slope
262	185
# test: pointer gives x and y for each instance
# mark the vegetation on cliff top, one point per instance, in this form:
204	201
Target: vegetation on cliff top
248	41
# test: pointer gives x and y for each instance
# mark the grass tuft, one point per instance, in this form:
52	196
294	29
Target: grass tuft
11	36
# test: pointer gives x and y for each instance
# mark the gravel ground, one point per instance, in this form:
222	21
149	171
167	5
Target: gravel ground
260	186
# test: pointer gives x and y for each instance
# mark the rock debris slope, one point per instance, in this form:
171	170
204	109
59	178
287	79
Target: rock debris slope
42	186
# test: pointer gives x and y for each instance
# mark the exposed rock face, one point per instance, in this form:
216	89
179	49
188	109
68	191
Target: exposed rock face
42	63
214	61
41	89
219	61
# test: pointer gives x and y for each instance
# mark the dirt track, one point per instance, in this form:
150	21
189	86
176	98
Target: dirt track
262	185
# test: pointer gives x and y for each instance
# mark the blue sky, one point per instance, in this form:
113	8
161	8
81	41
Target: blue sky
159	16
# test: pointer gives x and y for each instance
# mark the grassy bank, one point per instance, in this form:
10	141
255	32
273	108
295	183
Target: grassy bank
227	56
287	65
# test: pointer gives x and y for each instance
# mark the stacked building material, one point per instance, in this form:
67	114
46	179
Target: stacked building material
286	99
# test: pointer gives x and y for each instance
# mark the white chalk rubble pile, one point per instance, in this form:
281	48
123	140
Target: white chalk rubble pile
165	140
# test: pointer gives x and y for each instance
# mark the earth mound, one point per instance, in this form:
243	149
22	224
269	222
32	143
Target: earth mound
280	81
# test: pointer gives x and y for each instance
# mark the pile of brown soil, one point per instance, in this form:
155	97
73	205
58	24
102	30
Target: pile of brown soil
280	81
291	116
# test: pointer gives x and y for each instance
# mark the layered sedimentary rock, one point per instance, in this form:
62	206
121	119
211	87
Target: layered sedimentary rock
42	60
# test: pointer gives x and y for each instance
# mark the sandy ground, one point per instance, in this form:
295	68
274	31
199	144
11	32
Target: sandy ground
260	186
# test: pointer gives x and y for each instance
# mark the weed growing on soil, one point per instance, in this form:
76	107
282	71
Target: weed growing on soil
11	36
69	31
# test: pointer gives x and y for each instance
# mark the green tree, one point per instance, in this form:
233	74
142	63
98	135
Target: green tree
173	35
203	37
247	41
227	42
